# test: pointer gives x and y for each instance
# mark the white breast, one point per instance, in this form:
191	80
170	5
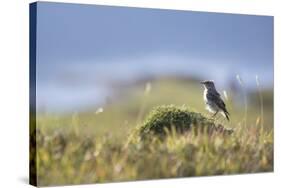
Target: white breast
205	96
210	106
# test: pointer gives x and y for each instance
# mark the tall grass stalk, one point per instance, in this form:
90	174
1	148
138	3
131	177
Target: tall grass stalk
143	104
240	81
75	123
261	101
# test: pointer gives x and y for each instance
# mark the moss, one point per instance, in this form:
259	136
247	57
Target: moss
165	117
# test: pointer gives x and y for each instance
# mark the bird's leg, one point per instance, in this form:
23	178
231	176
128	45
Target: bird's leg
215	114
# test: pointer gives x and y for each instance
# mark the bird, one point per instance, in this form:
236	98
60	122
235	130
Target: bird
213	100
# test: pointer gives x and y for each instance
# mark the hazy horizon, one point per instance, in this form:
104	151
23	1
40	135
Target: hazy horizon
82	48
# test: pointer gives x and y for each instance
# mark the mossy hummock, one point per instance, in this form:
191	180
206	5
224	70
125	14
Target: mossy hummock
165	117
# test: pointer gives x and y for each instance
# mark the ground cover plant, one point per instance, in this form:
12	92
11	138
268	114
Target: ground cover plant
108	145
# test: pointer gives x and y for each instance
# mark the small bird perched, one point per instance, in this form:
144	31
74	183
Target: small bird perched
212	99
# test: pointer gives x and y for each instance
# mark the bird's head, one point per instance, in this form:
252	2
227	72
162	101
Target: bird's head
208	84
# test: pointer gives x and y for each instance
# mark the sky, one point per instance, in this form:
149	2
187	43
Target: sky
81	48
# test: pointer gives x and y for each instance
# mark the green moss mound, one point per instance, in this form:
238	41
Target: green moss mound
163	118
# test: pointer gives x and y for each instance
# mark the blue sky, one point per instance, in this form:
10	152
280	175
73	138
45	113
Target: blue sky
88	43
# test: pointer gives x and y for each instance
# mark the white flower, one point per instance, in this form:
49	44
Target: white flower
99	110
239	79
147	88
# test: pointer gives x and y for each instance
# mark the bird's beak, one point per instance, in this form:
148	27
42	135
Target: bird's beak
202	82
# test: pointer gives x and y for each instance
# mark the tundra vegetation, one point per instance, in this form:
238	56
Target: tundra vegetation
156	130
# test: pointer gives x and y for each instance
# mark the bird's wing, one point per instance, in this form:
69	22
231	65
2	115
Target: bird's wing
215	97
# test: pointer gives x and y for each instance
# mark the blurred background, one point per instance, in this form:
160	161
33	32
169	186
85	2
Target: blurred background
100	70
122	61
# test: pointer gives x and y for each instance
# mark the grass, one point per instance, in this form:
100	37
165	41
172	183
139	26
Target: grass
90	147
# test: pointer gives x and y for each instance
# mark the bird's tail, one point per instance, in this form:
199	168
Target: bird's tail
226	114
